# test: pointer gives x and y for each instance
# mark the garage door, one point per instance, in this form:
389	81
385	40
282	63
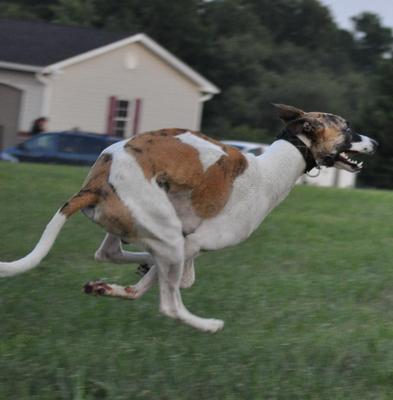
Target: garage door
10	101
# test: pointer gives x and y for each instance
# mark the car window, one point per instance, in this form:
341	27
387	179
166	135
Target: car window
41	143
81	145
257	151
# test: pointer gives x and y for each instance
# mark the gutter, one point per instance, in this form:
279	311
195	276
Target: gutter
20	67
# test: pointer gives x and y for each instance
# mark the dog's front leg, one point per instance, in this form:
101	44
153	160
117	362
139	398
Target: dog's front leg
169	260
188	276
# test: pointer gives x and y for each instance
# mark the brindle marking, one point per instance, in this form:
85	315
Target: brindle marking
328	133
323	129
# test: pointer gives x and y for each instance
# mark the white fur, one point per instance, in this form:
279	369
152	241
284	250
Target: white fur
265	183
39	252
209	153
366	145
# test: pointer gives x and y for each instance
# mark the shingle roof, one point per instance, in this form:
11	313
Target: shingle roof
38	43
38	46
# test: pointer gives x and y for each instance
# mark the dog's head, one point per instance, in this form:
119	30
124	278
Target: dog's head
331	138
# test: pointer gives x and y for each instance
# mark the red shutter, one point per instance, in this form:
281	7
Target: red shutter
111	115
137	116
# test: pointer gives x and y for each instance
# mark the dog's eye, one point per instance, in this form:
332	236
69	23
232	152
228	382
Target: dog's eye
307	127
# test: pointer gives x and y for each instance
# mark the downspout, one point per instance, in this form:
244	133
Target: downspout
46	80
203	97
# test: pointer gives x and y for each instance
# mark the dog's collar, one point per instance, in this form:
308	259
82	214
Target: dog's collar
301	146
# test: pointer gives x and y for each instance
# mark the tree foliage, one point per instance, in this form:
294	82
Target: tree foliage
258	52
373	40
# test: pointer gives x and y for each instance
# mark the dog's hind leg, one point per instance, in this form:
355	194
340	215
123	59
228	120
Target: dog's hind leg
112	251
131	292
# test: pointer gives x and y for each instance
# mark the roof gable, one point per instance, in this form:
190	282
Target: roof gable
33	44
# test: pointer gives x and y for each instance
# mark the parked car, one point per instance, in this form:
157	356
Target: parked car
247	147
77	148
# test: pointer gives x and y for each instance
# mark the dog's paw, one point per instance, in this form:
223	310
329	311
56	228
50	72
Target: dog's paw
214	325
97	288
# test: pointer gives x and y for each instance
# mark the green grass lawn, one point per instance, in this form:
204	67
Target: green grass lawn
307	301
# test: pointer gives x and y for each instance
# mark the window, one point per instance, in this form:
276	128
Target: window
41	143
123	117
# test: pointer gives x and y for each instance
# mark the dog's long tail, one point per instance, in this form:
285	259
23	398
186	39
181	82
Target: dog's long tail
77	202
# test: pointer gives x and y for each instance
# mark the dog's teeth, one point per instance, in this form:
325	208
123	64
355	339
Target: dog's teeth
360	164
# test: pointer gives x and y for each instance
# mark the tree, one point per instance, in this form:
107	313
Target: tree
12	10
373	41
27	9
257	52
378	123
75	12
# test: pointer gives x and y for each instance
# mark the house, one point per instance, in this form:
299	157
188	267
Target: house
96	81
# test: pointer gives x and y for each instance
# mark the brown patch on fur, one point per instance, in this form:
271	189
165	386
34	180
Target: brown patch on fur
212	193
160	153
114	216
327	132
80	200
89	194
99	194
177	167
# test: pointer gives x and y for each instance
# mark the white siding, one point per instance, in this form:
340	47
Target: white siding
80	93
330	177
31	98
346	179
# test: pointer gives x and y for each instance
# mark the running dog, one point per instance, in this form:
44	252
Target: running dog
176	192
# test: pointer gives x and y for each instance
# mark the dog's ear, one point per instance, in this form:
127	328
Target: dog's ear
288	113
307	126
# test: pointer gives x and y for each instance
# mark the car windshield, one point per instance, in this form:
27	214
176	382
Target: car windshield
41	143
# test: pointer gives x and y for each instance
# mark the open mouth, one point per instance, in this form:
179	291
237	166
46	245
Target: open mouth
349	163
